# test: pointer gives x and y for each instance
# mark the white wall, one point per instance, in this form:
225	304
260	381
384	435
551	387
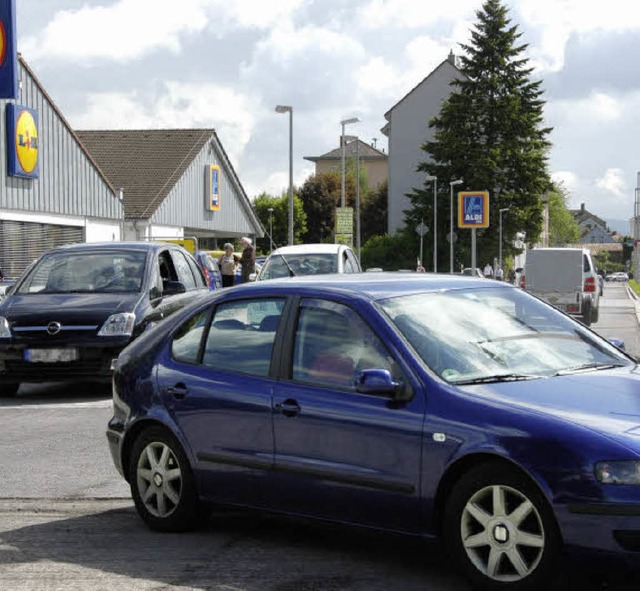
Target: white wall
102	231
409	129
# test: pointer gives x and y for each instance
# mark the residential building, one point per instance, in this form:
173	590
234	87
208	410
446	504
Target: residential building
408	129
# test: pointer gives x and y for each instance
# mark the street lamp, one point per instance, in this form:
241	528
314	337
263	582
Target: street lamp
270	210
435	221
343	123
500	212
288	109
451	185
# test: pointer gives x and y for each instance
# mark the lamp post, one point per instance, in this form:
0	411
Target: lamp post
434	179
500	212
342	142
289	109
270	210
451	185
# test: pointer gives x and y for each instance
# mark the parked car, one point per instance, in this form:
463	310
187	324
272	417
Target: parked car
617	276
210	269
76	308
435	405
309	259
566	278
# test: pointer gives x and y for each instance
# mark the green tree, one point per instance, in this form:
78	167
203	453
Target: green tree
279	219
374	213
490	134
563	228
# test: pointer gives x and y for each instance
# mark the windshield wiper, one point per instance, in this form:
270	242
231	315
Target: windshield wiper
499	377
286	262
587	367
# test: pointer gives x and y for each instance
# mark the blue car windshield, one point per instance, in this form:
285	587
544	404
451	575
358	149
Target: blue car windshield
497	333
114	271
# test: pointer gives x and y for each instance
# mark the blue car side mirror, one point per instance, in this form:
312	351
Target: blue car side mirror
379	381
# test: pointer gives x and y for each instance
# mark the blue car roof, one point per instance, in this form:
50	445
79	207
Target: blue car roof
370	285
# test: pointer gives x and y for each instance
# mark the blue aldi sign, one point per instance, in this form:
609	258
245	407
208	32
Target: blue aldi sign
213	187
8	50
473	209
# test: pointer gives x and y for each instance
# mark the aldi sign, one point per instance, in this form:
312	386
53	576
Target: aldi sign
473	209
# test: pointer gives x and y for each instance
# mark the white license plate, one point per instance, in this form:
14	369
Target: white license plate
50	355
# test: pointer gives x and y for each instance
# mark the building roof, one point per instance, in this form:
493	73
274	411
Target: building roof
582	215
449	62
145	163
64	122
353	147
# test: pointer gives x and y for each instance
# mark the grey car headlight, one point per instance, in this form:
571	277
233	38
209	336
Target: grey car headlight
5	331
618	472
118	325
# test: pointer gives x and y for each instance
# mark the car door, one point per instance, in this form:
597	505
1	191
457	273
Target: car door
215	382
342	454
173	266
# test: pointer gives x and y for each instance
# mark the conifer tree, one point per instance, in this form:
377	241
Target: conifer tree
490	133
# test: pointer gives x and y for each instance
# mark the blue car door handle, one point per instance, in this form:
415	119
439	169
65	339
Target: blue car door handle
289	408
178	391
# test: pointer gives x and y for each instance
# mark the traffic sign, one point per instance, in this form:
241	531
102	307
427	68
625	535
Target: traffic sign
422	229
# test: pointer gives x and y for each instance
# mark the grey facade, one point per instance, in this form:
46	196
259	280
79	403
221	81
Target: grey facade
90	192
407	129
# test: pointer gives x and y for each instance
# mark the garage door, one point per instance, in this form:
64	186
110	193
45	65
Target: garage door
23	242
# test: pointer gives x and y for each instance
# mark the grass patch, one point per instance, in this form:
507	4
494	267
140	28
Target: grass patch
633	284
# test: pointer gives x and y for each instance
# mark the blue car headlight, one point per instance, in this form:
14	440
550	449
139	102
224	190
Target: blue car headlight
618	472
5	331
118	325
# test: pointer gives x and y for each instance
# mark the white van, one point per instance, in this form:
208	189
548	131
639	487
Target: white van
566	278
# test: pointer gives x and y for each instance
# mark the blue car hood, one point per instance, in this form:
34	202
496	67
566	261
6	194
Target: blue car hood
607	401
85	308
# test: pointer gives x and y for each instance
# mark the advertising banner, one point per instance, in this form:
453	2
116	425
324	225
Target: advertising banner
22	141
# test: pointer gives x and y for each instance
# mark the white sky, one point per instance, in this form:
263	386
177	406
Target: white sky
112	64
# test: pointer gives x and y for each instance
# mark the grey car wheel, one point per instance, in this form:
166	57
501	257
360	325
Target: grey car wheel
500	529
162	483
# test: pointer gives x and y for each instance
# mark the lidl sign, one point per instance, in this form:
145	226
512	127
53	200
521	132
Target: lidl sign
23	142
8	52
473	209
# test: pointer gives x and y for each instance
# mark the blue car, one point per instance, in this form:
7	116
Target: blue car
439	406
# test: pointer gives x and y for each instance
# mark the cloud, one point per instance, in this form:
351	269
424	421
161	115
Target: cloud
131	29
178	106
412	14
612	182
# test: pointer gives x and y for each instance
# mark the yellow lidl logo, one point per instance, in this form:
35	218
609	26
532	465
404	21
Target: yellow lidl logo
27	141
22	136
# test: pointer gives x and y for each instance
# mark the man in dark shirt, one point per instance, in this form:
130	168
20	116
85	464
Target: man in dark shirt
248	259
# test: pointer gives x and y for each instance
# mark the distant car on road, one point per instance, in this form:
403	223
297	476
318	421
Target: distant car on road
471	273
435	405
617	276
78	306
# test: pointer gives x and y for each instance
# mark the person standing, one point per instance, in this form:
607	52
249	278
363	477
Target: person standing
499	274
228	264
488	271
248	259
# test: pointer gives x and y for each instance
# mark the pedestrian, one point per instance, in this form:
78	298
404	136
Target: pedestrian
511	277
228	265
248	259
499	274
488	271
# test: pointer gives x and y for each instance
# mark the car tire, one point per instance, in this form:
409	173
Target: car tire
162	483
595	314
9	390
587	312
500	530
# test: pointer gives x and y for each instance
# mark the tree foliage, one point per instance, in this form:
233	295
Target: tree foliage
563	228
279	219
490	134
